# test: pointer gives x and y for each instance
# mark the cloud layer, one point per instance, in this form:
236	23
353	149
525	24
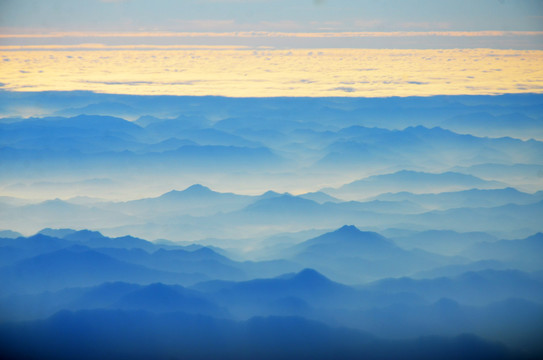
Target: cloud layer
264	72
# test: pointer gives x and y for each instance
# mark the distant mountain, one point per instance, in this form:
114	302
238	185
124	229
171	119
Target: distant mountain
155	297
319	197
80	266
195	192
464	198
82	143
473	288
347	241
88	185
102	108
196	132
380	206
95	239
13	250
170	144
59	214
37	243
254	297
218	156
290	213
524	174
444	242
270	194
507	218
101	296
202	260
279	204
524	252
287	208
91	127
418	182
353	256
72	152
8	234
346	153
170	257
58	233
485	124
13	201
179	123
194	200
457	270
163	298
380	149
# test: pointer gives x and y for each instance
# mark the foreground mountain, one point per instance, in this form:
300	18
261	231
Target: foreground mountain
68	273
112	334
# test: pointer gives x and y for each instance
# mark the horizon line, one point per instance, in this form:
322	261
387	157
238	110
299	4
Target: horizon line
258	33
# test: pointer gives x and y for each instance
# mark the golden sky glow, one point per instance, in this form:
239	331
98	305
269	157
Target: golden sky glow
237	72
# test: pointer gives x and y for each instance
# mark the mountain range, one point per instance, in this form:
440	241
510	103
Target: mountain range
170	227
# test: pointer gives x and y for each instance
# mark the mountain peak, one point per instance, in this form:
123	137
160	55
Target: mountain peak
206	253
41	237
283	203
537	237
84	236
348	229
351	233
310	276
58	233
197	188
269	194
348	241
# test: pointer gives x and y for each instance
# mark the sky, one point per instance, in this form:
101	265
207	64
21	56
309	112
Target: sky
272	15
478	23
273	47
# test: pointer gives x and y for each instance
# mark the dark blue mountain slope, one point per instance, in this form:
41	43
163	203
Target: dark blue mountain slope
202	261
481	287
141	335
246	299
525	251
163	298
80	266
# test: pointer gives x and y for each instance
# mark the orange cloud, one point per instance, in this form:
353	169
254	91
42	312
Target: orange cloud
263	72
